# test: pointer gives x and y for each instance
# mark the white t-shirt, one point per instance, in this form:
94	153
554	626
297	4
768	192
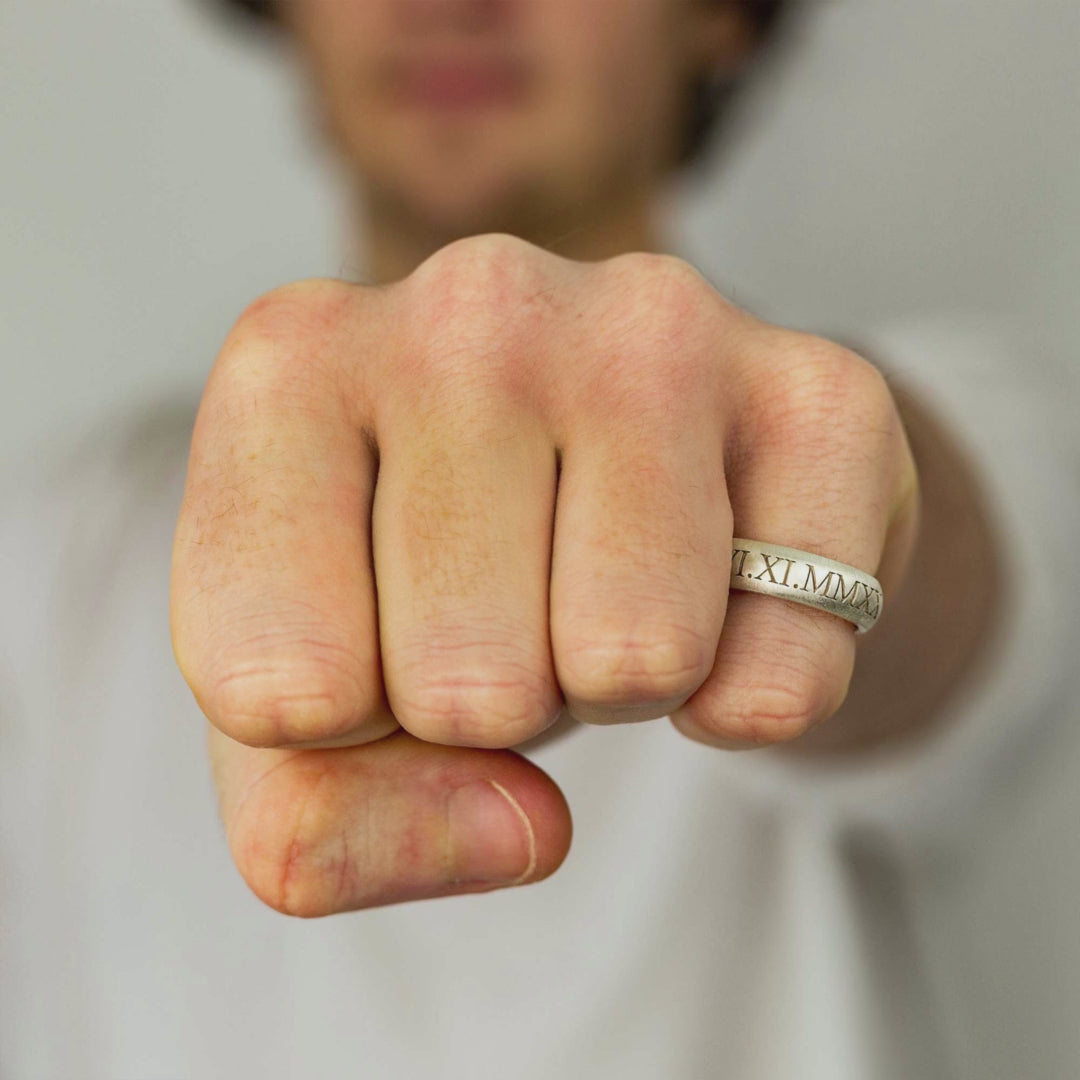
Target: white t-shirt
748	916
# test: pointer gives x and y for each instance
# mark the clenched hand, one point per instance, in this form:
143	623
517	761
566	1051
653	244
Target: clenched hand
423	520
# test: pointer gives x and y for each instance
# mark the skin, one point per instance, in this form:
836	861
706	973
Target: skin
538	561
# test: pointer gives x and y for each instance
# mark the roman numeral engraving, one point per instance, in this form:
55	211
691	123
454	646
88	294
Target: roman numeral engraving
871	599
770	562
811	576
871	602
846	595
742	562
777	570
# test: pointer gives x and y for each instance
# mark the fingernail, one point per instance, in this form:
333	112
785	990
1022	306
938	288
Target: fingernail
491	838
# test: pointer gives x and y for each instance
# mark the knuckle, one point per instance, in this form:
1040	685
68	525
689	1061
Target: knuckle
662	291
648	270
479	306
481	711
626	672
280	699
860	382
822	370
298	310
763	715
658	328
483	253
285	349
290	841
812	388
776	685
475	276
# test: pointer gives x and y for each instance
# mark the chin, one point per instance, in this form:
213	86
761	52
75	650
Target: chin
455	207
456	210
464	197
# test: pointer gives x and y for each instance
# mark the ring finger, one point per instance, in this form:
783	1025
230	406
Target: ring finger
829	473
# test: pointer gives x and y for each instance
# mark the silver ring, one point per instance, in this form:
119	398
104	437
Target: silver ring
806	579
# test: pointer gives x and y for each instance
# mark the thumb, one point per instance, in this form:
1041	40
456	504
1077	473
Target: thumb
314	832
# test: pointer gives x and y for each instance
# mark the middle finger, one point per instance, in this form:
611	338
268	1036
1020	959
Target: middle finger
461	530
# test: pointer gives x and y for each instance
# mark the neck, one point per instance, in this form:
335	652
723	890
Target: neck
396	241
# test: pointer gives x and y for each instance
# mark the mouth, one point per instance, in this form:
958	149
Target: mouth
458	84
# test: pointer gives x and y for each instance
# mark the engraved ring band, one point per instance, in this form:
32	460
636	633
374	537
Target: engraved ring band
806	579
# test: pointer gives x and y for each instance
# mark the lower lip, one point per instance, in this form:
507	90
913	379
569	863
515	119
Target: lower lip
459	88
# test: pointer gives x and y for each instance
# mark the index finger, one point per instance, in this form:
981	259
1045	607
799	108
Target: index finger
272	596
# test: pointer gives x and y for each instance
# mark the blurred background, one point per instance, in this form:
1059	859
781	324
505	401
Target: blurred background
894	164
157	175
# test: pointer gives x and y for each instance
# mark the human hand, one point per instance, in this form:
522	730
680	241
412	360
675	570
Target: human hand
422	521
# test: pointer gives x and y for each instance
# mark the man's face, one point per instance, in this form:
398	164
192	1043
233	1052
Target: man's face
474	115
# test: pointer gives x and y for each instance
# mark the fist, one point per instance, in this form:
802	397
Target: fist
423	522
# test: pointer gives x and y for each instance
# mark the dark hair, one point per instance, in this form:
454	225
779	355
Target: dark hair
708	97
